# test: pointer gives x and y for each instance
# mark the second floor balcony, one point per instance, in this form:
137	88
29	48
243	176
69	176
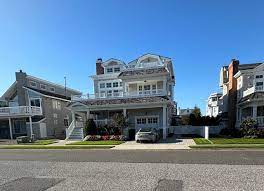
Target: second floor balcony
120	94
252	90
20	111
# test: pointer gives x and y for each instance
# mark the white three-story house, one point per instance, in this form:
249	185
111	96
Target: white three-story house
142	90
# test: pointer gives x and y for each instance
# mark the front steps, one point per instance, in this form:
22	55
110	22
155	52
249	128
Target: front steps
77	134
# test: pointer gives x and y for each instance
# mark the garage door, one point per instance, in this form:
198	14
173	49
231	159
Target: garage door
147	121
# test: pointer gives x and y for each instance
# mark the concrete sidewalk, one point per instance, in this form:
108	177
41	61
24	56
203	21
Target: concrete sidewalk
168	144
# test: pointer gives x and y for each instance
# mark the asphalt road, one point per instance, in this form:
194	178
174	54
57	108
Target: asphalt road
37	170
236	157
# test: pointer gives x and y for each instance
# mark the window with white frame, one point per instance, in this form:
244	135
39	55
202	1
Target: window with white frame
109	70
42	86
108	85
102	93
52	89
55	121
120	84
66	121
55	115
117	69
102	85
115	93
109	93
35	102
33	84
115	84
259	76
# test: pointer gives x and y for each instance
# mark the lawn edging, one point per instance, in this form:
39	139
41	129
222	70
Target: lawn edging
228	146
110	142
56	147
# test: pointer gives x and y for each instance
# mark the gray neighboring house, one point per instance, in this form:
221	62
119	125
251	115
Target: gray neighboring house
143	90
34	106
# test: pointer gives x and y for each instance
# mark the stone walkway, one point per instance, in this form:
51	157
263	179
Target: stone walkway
170	143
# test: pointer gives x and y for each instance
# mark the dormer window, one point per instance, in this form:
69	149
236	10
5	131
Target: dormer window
117	69
52	89
33	84
42	86
109	70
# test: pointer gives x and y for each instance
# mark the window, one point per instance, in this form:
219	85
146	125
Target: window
102	93
115	84
116	93
153	120
139	88
109	93
120	84
55	115
109	70
35	102
141	121
52	89
108	85
42	86
56	105
102	85
117	69
55	122
259	83
66	121
259	76
33	84
146	87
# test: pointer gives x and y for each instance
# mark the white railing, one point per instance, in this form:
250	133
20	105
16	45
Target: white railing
20	110
260	120
143	93
69	130
252	90
103	122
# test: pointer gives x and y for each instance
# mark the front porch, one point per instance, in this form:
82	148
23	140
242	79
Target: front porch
138	116
255	112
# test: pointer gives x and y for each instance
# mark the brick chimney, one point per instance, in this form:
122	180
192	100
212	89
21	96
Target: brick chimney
99	67
232	92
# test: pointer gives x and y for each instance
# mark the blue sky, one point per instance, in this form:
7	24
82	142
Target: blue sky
51	39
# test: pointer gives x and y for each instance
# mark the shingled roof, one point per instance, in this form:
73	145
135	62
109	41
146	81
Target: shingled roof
253	96
248	66
142	72
118	101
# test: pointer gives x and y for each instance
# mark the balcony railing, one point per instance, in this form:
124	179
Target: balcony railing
143	93
20	111
252	90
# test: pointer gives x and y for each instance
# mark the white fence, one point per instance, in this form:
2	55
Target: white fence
203	131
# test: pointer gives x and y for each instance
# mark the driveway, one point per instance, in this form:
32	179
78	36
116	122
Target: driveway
170	143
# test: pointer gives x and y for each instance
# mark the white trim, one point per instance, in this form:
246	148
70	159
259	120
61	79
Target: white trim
46	95
8	90
44	86
33	82
51	83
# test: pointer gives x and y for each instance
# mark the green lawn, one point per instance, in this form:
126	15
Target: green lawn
40	142
56	147
201	141
236	141
222	143
97	143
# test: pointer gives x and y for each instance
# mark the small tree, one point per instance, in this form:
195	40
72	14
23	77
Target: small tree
119	122
90	127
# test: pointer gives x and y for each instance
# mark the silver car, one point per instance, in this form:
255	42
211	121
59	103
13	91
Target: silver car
147	134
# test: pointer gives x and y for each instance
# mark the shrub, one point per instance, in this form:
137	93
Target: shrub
249	129
90	127
105	137
232	132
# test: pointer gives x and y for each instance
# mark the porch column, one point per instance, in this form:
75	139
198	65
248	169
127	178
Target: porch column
88	114
30	125
164	121
124	112
10	128
254	113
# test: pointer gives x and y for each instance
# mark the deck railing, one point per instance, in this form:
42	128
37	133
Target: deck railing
130	94
20	110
